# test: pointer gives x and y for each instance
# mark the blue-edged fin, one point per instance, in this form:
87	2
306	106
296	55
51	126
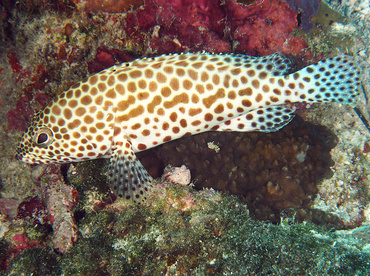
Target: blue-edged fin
266	119
127	176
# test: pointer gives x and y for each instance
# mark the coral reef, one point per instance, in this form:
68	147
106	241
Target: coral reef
53	209
214	235
49	45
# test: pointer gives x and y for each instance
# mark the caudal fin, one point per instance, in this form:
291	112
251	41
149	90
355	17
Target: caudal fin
335	79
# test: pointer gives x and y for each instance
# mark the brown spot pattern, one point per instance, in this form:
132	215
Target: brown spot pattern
259	97
183	123
120	89
131	86
93	80
213	98
123	105
111	93
156	101
102	87
247	91
193	74
208	117
174	83
219	109
182	98
173	116
194	111
88	119
135	74
137	111
56	110
231	95
161	78
256	84
194	98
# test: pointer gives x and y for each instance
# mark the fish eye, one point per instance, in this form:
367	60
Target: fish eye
43	137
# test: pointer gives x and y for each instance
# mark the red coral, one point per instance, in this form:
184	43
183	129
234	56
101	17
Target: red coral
14	61
106	58
183	25
41	100
262	28
33	208
164	26
22	242
19	118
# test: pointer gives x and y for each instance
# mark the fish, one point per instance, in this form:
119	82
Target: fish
141	104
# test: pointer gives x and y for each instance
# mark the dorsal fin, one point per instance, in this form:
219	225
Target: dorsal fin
280	64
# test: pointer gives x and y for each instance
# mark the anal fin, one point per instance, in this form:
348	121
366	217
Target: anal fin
127	176
265	119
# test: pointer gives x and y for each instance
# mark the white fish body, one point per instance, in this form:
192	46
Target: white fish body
147	102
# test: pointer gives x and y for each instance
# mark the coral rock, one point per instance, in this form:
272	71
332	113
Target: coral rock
60	199
177	175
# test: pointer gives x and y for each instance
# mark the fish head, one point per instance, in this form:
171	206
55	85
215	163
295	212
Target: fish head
63	137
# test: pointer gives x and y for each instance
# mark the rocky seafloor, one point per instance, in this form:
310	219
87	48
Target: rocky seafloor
292	202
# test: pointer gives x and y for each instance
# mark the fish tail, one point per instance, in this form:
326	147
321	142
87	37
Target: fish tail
335	79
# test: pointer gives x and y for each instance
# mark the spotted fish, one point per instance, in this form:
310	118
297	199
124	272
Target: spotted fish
144	103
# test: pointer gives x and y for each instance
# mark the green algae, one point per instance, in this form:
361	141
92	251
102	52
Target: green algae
187	232
37	261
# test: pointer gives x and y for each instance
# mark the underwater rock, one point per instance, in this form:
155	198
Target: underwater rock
271	171
177	175
306	9
59	199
